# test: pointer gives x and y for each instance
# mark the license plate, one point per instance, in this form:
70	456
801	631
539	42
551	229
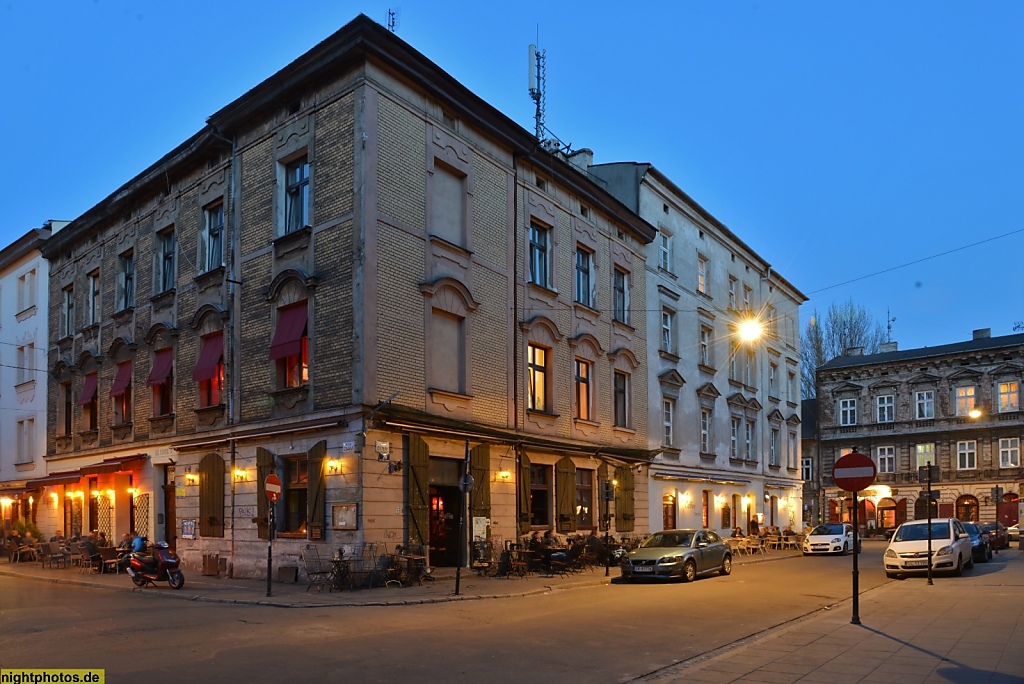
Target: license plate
643	568
916	564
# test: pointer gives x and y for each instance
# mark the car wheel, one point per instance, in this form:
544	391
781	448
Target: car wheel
891	575
689	571
985	556
726	568
970	562
958	571
846	549
988	556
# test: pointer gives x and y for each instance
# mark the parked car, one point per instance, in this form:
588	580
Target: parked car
996	534
1013	533
678	553
981	542
908	551
830	538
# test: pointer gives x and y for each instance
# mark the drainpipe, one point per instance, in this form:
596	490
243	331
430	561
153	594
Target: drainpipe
515	334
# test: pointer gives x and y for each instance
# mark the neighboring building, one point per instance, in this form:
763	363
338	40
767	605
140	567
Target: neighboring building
23	339
724	413
364	278
954	405
810	461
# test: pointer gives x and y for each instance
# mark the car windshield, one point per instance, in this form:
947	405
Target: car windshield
668	539
918	531
824	530
989	527
973	530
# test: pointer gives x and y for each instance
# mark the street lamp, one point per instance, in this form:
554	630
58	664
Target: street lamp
750	329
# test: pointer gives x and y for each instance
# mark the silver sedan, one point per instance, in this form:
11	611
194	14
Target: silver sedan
678	553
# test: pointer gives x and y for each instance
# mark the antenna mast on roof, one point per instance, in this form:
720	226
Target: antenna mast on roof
537	78
889	320
393	19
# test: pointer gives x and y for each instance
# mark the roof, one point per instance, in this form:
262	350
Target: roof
983	344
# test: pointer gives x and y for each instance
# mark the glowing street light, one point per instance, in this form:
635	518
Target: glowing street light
750	330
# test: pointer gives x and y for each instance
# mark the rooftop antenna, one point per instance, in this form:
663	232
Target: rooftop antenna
889	320
393	19
537	75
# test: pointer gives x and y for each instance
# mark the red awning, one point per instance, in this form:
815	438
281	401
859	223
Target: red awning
209	357
88	389
161	366
65	478
123	379
291	324
115	465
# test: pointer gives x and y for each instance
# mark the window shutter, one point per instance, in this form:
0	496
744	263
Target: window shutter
417	458
480	469
602	505
264	466
524	493
565	491
211	496
316	485
624	499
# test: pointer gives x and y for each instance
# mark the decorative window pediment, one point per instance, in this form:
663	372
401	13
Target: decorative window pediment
884	386
1006	369
847	388
586	346
199	317
924	379
623	355
753	404
776	416
708	391
964	374
541	329
671	378
738	400
282	279
450	295
793	419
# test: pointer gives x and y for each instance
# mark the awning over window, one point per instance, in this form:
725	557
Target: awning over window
291	324
123	379
88	389
115	465
161	366
209	357
65	478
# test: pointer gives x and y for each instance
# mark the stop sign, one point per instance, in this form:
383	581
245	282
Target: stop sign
854	472
272	485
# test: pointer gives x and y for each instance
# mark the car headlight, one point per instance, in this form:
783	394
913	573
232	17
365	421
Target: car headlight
945	551
667	560
837	540
889	553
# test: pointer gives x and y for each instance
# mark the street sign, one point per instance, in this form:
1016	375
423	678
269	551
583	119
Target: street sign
997	494
272	485
854	472
922	474
923	494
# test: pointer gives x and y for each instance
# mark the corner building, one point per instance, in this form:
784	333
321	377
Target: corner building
357	276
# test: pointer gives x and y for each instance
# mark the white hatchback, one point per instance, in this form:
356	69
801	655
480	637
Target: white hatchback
829	538
908	548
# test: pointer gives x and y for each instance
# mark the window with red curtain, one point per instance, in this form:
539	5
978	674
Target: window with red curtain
121	393
161	378
209	371
290	346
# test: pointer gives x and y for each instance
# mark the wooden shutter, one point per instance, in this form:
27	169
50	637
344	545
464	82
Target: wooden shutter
211	496
480	469
565	493
417	460
524	493
624	499
602	505
264	466
316	487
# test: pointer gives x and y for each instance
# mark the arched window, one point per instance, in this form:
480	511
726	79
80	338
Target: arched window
967	508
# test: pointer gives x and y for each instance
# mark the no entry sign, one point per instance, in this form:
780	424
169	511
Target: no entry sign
854	472
272	485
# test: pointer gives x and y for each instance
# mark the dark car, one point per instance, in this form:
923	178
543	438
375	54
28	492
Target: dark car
981	548
997	535
678	553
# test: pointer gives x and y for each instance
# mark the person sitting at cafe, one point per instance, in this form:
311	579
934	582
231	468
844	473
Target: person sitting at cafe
138	544
126	542
737	532
788	532
59	538
102	540
92	552
549	539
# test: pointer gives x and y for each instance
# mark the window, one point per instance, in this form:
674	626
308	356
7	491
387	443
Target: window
734	438
290	346
885	406
807	469
296	195
705	345
705	430
702	275
448	350
793	451
209	371
166	278
748	441
584	498
26	441
925	404
967	455
847	411
94	310
27	290
746	298
64	409
667	323
26	363
621	398
89	402
584	266
121	394
1009	452
794	391
540	495
732	293
540	247
734	369
773	370
885	456
773	448
620	287
212	238
925	454
296	494
665	251
583	389
67	312
537	376
668	410
964	400
1008	397
773	322
161	380
749	368
125	281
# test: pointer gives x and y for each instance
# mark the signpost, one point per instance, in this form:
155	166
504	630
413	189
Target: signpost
854	472
927	474
272	486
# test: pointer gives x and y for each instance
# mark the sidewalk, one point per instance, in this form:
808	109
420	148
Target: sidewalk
294	595
961	629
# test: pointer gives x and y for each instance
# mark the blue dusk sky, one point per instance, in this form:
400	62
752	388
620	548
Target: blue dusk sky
868	150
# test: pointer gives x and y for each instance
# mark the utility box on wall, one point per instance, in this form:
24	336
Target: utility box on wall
211	564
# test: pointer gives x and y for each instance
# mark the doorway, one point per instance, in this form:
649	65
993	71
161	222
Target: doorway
444	525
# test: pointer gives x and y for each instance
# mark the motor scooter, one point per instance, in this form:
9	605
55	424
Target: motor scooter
162	566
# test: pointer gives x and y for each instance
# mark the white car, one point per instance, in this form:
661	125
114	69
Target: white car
830	538
1013	532
908	549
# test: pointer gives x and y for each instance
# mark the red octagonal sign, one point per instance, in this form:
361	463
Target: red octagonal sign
272	485
854	472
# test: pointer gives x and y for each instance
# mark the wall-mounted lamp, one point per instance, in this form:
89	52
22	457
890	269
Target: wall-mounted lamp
110	493
615	483
719	500
394	466
191	478
53	498
686	499
504	475
240	475
131	492
30	500
767	497
95	493
333	467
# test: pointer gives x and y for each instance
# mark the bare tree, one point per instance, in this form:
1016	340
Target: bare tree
844	326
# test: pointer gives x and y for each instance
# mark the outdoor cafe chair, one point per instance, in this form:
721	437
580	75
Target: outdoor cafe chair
317	573
86	562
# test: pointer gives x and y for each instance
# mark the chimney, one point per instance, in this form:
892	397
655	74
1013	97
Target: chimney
854	351
581	159
887	347
982	333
